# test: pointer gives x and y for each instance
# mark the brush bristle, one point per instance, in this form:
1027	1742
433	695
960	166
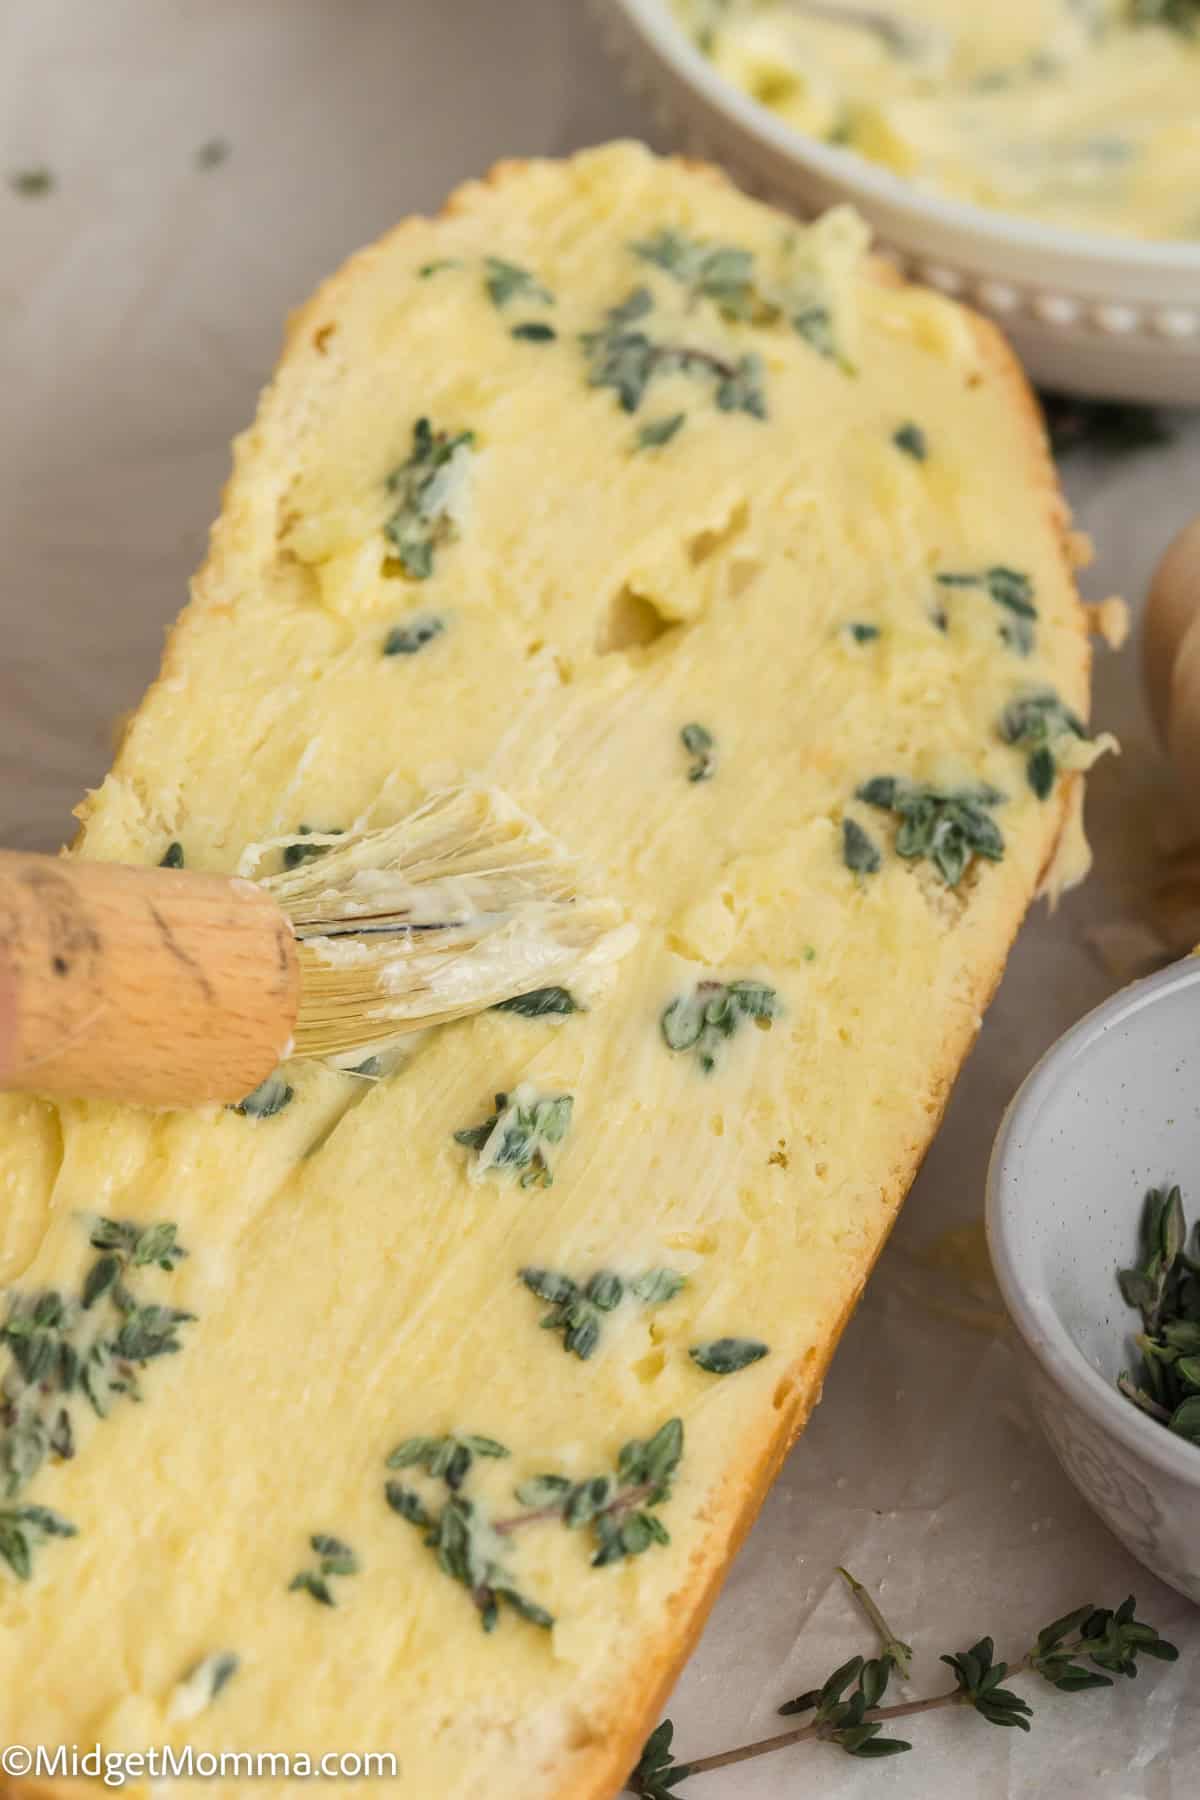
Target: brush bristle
464	904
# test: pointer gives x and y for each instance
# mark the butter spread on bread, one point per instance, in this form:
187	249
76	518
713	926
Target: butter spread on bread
459	1376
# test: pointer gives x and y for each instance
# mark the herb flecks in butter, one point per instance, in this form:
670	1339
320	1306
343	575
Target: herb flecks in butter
912	441
949	827
859	852
201	1685
722	273
268	1098
507	281
701	746
540	1003
704	1020
863	632
172	856
65	1350
299	852
532	331
1011	590
657	432
447	1459
1038	722
335	1558
725	1356
408	639
515	1139
473	1548
578	1308
22	1529
622	356
427	489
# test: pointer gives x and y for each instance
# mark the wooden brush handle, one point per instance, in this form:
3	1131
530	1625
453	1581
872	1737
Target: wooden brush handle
152	986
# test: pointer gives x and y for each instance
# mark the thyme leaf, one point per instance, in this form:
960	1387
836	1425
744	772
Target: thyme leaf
533	331
268	1098
700	745
859	852
949	827
449	1459
407	639
22	1529
172	856
540	1003
1009	589
725	1356
657	432
912	441
507	281
427	489
863	632
577	1308
335	1558
722	273
704	1020
515	1139
1039	721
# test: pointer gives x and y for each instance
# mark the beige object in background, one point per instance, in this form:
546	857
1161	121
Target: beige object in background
1171	658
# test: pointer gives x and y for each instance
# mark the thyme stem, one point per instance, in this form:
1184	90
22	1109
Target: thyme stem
803	1734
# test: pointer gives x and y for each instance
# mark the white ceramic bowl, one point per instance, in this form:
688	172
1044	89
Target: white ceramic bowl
1111	1110
1089	314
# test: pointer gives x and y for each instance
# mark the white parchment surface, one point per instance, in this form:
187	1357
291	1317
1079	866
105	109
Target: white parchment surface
141	305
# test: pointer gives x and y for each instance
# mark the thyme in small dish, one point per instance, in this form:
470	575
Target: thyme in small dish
515	1139
578	1308
949	827
1009	589
704	1020
701	746
845	1711
333	1558
427	489
1164	1286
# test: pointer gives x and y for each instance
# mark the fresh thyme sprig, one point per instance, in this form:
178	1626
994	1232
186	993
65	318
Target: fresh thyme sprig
1165	1288
845	1711
472	1547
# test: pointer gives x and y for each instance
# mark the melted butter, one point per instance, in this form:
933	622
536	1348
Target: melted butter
1062	110
352	1286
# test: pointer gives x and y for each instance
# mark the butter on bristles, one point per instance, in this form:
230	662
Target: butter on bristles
743	572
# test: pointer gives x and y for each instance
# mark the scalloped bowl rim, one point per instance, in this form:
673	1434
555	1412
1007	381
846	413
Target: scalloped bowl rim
857	174
1059	1358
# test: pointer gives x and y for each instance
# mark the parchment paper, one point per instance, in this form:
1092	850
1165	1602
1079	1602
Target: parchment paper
141	303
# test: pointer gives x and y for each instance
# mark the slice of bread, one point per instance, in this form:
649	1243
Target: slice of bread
745	571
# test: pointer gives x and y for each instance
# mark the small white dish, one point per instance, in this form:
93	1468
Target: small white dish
1111	1110
1088	313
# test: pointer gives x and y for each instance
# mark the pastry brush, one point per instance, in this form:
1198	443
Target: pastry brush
163	987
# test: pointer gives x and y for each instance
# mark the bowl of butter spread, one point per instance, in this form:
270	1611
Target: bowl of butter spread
1039	159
